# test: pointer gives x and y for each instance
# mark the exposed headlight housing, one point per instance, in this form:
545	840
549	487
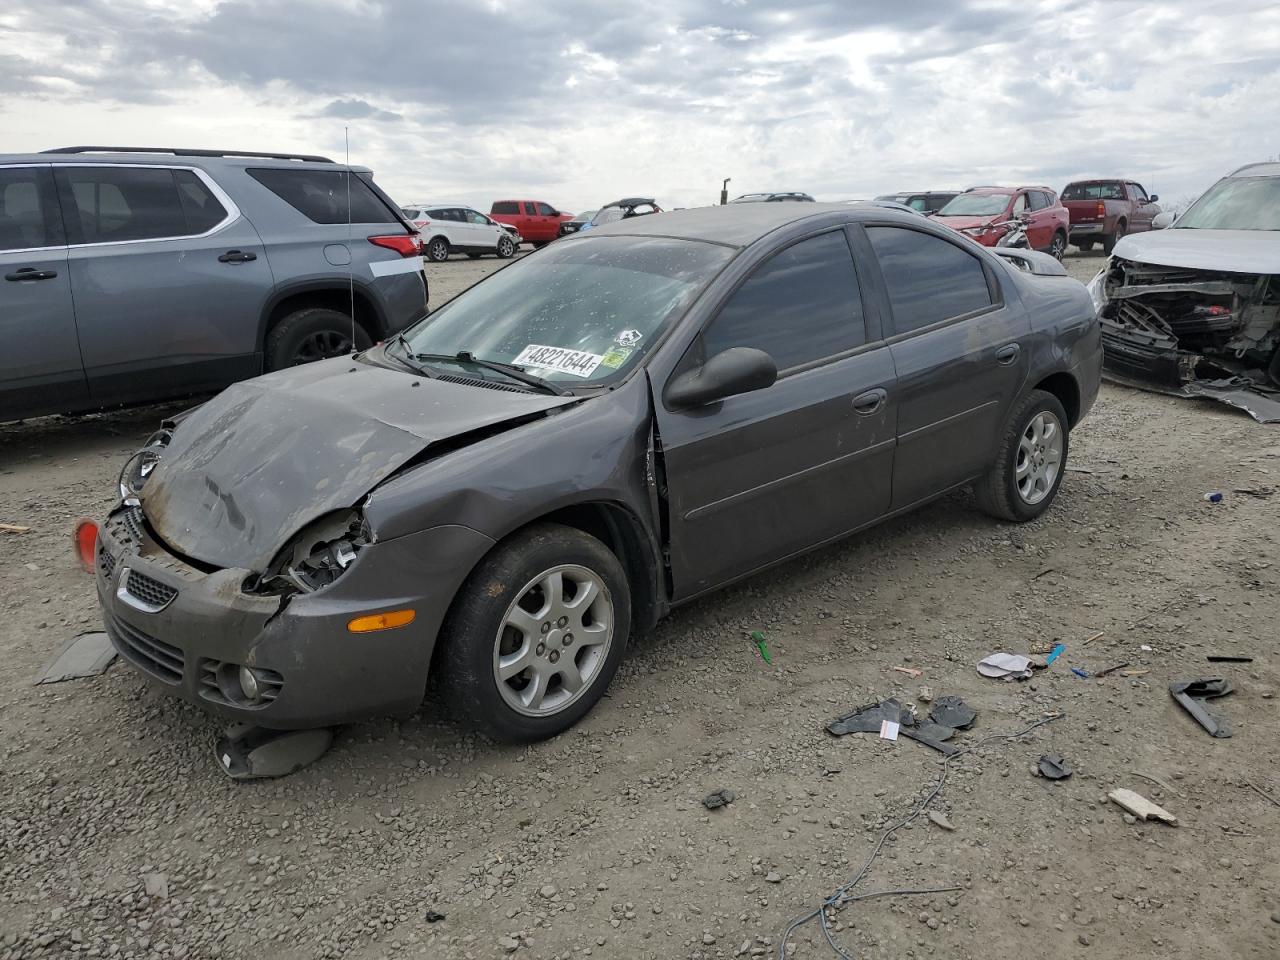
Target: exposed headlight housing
1095	288
136	470
316	557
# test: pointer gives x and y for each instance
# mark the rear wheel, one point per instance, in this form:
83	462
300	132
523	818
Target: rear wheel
1058	246
438	250
1084	245
536	633
1109	242
315	333
1030	461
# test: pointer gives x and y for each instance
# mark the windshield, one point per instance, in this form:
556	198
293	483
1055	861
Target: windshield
975	205
581	311
751	198
608	215
1251	203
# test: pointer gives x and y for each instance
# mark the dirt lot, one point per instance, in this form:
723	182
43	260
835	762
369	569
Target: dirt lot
597	844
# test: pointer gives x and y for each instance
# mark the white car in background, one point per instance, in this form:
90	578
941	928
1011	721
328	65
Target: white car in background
448	228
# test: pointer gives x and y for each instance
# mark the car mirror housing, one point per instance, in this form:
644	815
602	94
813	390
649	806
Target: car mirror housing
1162	220
727	374
1154	197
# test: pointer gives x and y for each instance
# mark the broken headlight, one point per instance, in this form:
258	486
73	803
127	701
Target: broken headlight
316	557
1096	291
136	470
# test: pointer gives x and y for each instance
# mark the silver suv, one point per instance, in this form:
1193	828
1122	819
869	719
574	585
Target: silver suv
133	275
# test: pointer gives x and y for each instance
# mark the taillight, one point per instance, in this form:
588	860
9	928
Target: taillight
1102	209
405	244
86	543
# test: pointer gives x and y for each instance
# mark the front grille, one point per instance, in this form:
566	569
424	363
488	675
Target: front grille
132	517
210	688
106	563
152	594
145	652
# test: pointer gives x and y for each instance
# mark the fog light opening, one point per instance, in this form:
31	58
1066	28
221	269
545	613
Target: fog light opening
381	621
86	543
249	685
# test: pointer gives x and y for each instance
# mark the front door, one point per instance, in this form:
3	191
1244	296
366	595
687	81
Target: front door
757	477
40	369
1144	211
958	352
169	280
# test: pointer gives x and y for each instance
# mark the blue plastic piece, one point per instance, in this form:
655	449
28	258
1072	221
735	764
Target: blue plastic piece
1055	653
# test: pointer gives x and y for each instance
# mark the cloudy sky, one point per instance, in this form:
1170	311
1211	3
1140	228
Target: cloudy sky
578	102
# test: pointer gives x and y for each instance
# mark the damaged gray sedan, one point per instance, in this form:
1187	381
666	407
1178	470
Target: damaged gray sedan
1194	310
624	421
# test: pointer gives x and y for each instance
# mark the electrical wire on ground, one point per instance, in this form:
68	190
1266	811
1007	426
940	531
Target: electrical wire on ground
841	896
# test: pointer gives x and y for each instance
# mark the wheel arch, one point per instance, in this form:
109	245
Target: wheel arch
1063	386
327	294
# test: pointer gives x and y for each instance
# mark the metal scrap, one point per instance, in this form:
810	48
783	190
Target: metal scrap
1191	696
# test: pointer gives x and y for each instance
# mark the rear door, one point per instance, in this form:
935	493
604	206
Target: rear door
757	477
169	280
40	367
957	348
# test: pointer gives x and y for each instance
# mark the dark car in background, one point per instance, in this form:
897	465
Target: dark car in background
577	223
779	197
606	429
986	214
1103	211
138	274
623	209
925	201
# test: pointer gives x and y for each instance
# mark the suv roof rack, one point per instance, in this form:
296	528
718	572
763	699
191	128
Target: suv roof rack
194	153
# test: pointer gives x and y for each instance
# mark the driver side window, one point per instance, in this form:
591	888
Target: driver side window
801	305
1020	204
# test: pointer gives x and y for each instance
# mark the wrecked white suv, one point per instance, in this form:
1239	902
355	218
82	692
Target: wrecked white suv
1194	310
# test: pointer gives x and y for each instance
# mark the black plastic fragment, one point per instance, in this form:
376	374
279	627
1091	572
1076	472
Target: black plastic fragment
432	917
1053	767
1224	658
932	733
868	717
952	712
1191	695
719	798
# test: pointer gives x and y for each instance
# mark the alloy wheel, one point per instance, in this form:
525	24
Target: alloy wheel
554	640
1059	246
1039	457
321	345
438	250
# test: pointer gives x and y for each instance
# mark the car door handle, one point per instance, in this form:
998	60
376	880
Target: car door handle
237	256
31	273
869	402
1008	354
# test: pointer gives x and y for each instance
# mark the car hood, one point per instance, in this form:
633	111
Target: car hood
964	223
1233	251
251	467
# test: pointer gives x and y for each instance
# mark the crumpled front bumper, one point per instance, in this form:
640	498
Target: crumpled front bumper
176	624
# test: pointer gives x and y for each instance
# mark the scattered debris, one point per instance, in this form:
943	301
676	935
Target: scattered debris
1227	658
924	694
1134	673
1094	637
1055	653
1005	666
432	917
1214	496
910	672
889	729
248	752
719	798
1082	674
1261	792
941	820
156	885
762	647
1046	570
1164	785
1141	807
867	718
1191	695
13	528
1079	470
1146	648
871	717
1118	666
1260	492
85	655
952	712
1053	767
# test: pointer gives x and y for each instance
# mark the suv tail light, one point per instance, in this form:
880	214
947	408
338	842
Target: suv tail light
1102	209
405	244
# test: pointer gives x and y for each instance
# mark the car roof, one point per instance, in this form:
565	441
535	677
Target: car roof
1264	169
438	203
1101	180
742	224
177	157
629	202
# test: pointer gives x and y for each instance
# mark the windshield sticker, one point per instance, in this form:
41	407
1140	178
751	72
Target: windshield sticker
628	338
616	357
574	362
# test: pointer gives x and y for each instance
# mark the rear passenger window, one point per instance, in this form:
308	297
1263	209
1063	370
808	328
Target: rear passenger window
928	279
801	305
23	221
505	208
321	195
202	209
123	203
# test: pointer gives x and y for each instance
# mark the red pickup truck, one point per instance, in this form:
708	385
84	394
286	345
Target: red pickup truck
538	222
1105	210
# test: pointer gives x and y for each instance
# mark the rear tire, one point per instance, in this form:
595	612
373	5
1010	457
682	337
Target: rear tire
1084	246
1019	486
1058	245
1109	242
438	250
504	617
314	333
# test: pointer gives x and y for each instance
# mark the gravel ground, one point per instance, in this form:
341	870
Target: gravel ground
120	837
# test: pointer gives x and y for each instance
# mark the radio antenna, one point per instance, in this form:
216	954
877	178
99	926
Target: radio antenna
351	278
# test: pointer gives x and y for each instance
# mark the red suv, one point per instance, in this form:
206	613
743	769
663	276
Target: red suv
538	222
984	213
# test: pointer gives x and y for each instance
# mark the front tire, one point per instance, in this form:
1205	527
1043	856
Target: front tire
1030	461
438	250
536	633
506	248
315	333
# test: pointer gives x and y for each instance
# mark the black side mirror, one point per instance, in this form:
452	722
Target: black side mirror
727	374
1153	198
